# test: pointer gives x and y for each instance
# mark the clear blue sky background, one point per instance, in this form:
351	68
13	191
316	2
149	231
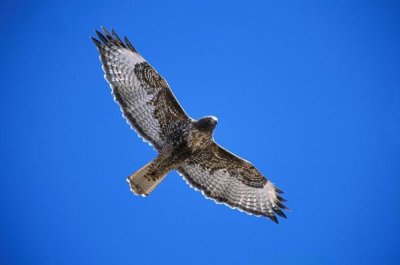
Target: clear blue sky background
309	91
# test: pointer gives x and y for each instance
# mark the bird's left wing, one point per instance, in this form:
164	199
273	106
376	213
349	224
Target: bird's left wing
229	179
145	98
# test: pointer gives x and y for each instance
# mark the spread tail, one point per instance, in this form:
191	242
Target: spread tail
146	179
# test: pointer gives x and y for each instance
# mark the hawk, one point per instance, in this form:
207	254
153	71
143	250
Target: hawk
183	144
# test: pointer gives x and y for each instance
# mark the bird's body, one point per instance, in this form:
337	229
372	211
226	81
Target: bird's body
182	143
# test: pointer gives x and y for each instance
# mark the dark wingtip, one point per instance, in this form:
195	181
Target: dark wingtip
281	205
117	38
279	212
101	37
112	39
96	42
273	218
129	44
280	198
108	35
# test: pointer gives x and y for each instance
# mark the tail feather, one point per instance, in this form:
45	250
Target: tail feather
146	179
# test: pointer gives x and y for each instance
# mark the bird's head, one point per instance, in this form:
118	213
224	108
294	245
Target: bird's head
207	123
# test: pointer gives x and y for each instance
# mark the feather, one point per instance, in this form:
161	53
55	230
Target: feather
108	35
129	44
96	42
102	38
117	39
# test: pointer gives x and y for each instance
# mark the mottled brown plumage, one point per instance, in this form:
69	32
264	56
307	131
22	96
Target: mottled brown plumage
183	144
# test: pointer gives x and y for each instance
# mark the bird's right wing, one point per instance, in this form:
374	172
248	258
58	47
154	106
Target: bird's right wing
145	98
229	179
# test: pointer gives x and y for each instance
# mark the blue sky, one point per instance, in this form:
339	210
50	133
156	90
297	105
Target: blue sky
308	91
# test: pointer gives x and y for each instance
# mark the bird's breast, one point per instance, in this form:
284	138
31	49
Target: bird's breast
188	144
198	140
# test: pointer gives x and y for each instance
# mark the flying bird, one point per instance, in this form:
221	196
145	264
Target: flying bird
183	144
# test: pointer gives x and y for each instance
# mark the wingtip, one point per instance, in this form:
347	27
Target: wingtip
279	198
282	206
280	213
96	41
108	35
117	38
273	218
129	44
101	36
107	39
